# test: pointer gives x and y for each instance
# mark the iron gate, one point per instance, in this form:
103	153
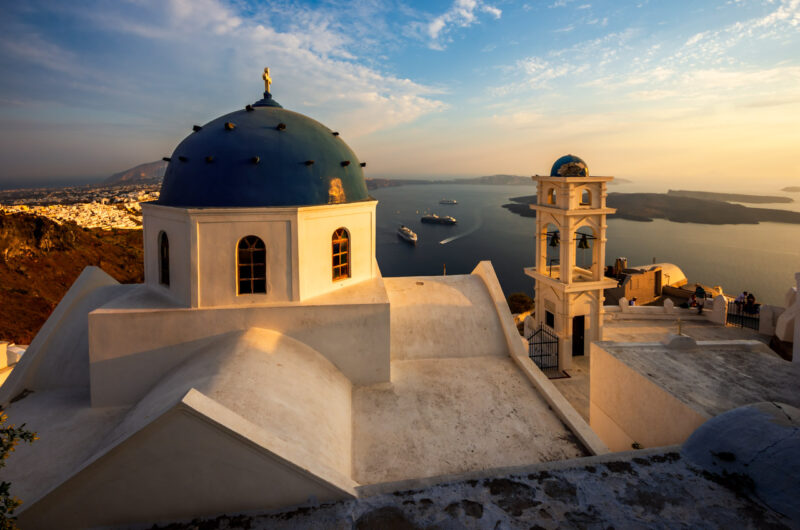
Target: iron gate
543	350
744	315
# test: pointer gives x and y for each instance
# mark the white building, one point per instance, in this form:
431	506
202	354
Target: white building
265	362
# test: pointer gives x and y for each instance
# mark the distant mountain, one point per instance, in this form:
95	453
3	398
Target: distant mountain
375	183
730	197
793	189
143	173
648	206
494	179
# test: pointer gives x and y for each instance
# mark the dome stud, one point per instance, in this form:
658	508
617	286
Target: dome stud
345	163
281	127
229	126
196	128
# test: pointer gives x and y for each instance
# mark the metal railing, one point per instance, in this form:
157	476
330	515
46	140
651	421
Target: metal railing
744	315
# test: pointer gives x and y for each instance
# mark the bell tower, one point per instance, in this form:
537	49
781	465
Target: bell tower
570	256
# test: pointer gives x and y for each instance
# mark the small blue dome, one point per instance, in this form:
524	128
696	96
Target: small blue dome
263	155
569	166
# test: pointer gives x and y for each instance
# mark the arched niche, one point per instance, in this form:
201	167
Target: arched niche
586	197
163	258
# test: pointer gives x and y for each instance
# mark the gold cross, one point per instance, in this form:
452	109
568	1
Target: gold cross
267	79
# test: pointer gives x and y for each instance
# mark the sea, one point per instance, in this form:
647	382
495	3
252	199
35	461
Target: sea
761	258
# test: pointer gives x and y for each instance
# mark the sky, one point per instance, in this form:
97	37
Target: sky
702	93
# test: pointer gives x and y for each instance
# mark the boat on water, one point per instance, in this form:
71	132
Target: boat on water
407	234
448	201
444	220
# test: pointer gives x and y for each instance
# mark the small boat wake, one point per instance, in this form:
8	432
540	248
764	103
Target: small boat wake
468	232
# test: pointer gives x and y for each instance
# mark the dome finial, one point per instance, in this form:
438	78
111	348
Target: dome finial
267	79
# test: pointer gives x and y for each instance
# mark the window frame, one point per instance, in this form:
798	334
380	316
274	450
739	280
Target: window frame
257	283
341	270
550	319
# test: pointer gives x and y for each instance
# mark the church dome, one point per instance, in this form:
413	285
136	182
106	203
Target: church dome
569	166
262	155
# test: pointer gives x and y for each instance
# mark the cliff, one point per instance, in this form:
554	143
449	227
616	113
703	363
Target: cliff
40	259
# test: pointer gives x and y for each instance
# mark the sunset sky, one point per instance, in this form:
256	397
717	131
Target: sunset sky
704	92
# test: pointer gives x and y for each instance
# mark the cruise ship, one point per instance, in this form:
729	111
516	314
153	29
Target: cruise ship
448	201
407	234
433	218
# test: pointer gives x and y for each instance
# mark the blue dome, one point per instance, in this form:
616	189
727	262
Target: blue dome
569	166
263	155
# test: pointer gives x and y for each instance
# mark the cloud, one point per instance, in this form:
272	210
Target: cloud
461	14
312	52
716	45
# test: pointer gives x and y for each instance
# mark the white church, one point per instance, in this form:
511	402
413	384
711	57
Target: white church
265	362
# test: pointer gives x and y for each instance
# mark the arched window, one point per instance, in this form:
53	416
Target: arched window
251	266
341	254
586	197
163	258
551	196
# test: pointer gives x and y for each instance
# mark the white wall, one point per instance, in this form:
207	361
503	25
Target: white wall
179	229
626	407
217	239
198	459
130	350
315	230
203	244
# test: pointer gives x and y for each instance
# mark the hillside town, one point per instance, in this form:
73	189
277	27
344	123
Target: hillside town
103	207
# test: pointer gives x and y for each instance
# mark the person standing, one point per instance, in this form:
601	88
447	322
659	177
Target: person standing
739	301
750	305
700	297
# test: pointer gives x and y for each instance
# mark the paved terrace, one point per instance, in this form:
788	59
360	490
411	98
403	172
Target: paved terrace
713	379
576	387
456	401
